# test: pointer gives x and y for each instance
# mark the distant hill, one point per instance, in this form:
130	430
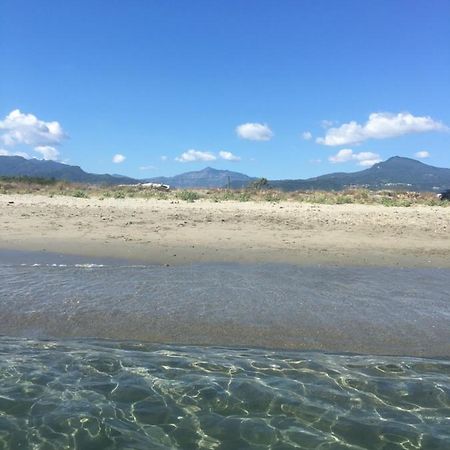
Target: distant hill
395	173
207	178
16	166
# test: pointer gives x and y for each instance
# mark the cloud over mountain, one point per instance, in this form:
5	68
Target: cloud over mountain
228	156
422	154
48	152
380	126
4	152
19	128
198	155
195	155
365	159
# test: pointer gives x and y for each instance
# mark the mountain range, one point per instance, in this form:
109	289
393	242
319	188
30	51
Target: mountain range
16	166
395	173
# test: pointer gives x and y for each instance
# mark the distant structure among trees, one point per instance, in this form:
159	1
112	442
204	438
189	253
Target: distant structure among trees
260	183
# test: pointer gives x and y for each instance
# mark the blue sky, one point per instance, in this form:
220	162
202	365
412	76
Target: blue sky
289	89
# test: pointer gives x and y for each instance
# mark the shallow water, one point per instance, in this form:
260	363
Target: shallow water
339	309
91	394
62	386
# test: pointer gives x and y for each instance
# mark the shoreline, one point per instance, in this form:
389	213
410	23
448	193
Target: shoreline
372	311
175	232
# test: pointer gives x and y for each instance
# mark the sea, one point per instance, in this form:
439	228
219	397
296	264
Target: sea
113	354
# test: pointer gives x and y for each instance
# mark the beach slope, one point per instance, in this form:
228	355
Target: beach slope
174	232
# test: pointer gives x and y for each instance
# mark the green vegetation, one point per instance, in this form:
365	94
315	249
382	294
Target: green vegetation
29	180
273	196
244	197
260	183
188	196
80	194
119	194
52	188
343	199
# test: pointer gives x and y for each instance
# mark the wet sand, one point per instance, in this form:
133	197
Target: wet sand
172	232
387	311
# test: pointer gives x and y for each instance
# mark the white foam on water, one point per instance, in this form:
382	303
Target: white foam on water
89	265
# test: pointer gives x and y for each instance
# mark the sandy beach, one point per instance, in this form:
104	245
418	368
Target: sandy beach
178	232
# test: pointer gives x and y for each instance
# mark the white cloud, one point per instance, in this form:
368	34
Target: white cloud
341	156
254	132
47	152
4	152
229	156
118	158
195	155
369	162
19	128
164	158
363	158
422	155
307	135
198	155
380	126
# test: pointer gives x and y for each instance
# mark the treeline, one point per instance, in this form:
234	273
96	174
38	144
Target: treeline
29	180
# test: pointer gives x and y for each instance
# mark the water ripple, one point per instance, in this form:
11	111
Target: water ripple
117	394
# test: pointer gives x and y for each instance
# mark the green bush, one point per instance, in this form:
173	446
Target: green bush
80	194
228	195
244	197
386	201
188	196
344	199
119	194
272	197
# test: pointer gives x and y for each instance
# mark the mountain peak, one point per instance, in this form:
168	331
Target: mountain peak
396	172
398	163
205	178
400	160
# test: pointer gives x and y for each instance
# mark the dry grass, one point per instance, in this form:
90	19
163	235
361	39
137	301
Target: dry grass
360	196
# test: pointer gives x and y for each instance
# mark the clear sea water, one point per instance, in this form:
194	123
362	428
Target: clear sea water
113	355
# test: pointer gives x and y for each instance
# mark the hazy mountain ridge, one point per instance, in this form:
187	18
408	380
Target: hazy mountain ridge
207	178
395	173
13	166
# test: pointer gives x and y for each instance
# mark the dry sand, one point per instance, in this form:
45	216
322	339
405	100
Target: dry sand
174	232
